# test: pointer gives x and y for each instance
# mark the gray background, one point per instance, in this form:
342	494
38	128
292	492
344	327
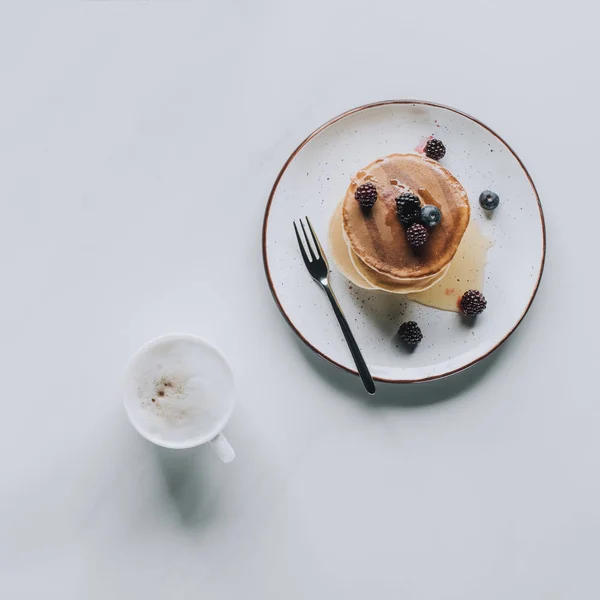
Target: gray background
138	144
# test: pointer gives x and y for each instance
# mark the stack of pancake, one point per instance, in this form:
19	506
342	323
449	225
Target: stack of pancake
370	245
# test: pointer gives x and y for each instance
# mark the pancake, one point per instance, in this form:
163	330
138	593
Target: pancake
341	252
377	238
353	268
396	286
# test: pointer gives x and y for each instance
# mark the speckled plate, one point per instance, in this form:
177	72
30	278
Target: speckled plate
313	181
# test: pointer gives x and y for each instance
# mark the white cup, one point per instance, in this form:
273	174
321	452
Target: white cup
178	393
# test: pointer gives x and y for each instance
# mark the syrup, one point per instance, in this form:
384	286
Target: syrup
466	272
429	199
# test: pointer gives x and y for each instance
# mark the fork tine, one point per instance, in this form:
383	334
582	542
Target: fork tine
302	250
316	240
312	254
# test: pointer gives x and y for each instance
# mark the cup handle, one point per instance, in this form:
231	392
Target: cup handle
222	448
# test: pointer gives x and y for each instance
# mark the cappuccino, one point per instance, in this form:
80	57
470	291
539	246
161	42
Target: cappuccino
178	391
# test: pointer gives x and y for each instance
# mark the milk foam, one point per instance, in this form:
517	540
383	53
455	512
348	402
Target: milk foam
174	391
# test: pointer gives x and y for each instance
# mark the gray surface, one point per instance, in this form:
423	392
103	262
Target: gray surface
138	141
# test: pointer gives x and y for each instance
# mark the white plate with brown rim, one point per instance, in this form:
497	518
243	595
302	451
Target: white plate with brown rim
313	181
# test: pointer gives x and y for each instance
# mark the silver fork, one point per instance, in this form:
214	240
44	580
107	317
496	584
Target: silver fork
318	267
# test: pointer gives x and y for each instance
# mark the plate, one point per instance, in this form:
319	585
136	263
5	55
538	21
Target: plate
313	181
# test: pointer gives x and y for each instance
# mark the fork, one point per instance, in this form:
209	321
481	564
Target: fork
318	267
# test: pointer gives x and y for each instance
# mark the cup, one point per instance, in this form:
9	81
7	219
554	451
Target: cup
178	393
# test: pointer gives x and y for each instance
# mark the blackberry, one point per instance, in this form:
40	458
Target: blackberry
417	235
366	194
435	149
410	333
408	207
473	303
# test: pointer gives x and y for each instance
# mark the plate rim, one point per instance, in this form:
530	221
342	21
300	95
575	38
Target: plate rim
317	132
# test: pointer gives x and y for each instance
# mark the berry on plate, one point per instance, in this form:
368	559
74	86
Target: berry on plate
489	200
410	333
435	149
473	303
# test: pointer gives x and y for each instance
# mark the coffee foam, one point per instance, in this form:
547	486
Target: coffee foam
172	392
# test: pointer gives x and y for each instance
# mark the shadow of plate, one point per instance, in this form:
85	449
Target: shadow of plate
407	394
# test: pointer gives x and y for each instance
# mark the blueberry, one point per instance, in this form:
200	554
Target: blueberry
489	200
430	215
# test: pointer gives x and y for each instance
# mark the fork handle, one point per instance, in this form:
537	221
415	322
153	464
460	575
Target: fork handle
359	361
